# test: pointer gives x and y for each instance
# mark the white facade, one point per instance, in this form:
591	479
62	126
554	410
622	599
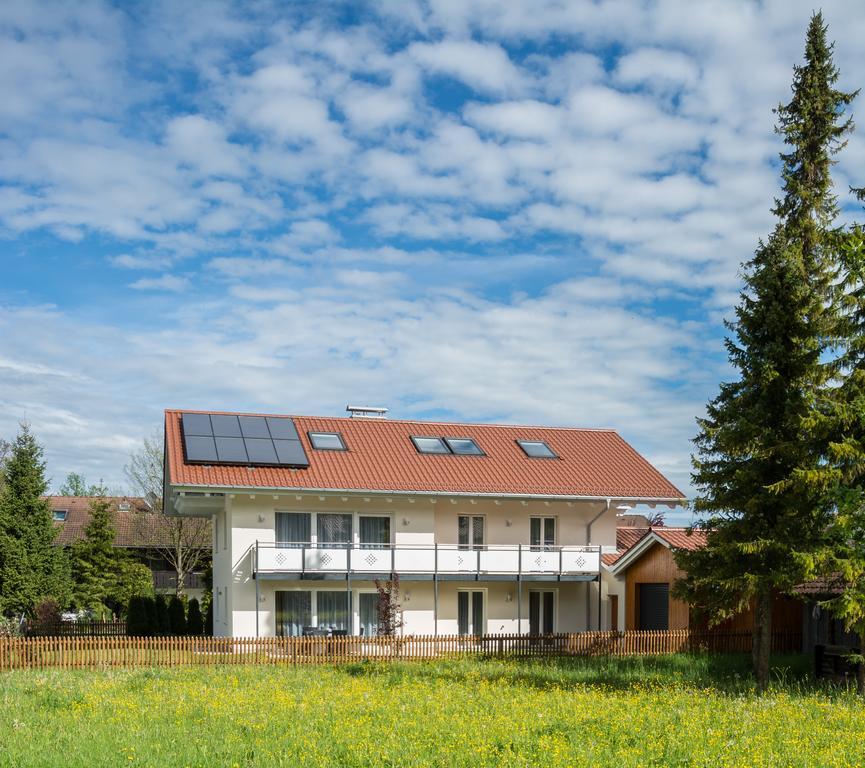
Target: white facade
559	586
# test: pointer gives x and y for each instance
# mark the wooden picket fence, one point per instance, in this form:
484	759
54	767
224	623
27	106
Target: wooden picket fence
101	652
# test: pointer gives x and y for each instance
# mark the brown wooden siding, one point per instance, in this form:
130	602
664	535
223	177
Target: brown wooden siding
657	566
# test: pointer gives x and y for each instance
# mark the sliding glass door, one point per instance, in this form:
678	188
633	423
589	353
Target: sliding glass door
368	610
542	612
470	612
293	612
293	529
297	610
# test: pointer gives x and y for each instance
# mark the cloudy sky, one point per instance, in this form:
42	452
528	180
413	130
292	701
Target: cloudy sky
516	211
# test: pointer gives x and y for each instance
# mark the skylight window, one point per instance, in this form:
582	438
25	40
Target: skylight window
327	441
463	446
59	515
536	449
430	445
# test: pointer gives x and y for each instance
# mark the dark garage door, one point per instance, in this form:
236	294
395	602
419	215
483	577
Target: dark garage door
654	605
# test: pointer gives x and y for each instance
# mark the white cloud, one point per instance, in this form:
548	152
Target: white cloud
171	283
483	66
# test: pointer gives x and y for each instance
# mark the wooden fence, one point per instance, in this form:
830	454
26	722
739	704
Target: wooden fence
100	652
79	629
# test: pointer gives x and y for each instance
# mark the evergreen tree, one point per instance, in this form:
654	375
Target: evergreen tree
176	616
31	567
95	562
194	622
208	619
133	579
138	617
163	624
759	456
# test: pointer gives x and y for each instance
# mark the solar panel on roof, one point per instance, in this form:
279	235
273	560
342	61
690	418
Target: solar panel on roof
196	424
282	428
225	426
245	440
254	426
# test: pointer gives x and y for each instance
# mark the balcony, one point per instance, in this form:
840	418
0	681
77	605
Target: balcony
168	580
425	562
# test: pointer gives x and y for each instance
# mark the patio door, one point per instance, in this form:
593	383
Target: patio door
470	612
333	530
373	532
542	533
293	612
333	610
368	610
293	529
542	617
470	531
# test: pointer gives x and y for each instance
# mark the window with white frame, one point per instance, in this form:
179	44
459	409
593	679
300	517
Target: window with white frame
304	611
471	612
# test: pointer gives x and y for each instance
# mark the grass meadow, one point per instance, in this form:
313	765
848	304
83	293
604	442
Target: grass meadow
672	710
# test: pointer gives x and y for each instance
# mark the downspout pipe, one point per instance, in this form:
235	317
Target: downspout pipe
591	522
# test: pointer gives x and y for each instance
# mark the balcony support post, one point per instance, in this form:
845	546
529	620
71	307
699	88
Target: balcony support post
257	589
348	591
435	589
519	589
599	600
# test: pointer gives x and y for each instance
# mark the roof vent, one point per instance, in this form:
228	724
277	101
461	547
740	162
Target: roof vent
366	412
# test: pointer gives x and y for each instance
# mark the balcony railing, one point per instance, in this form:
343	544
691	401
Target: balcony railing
168	580
434	559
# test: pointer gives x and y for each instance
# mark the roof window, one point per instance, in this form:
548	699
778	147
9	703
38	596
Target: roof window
536	449
429	444
59	515
327	441
463	446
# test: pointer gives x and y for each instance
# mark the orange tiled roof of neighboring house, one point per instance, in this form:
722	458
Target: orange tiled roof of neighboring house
135	524
381	457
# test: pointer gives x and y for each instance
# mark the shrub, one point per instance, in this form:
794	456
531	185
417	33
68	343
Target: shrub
194	623
138	623
9	627
176	616
161	624
46	618
208	619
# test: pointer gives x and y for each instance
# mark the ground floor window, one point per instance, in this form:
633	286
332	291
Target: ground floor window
542	616
299	611
470	612
368	613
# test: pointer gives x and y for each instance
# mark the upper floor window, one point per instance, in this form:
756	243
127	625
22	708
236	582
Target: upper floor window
463	446
59	515
430	445
536	449
327	441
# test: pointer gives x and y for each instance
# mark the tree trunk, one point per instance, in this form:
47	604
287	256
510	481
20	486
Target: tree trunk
860	667
762	642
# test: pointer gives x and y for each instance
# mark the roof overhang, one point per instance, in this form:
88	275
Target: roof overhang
636	552
196	499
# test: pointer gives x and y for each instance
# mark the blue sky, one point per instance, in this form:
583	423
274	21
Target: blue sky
517	211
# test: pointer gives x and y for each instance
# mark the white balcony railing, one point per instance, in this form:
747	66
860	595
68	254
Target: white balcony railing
437	559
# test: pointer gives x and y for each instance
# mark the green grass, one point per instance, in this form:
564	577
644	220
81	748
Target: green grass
671	710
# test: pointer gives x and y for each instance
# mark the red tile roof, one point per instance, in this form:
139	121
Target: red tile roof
381	457
677	538
136	526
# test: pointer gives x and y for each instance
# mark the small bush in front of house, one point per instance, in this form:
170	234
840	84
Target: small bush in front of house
194	622
176	616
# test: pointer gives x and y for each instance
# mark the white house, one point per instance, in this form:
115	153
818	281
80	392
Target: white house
490	528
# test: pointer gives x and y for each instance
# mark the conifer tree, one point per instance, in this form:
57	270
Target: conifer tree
194	621
31	567
176	616
759	456
95	562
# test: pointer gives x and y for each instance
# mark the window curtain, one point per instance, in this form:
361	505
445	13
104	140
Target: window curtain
332	610
334	529
293	613
368	614
374	532
292	529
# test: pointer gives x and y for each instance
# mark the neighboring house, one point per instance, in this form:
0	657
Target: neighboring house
138	530
645	568
821	627
490	528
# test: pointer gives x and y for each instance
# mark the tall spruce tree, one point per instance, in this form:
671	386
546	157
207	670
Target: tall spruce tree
95	562
31	567
759	455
